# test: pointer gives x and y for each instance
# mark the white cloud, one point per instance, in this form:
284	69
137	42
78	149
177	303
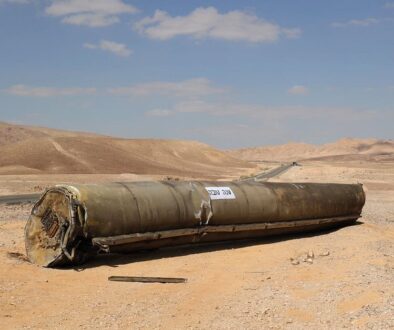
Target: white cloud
257	111
15	2
186	88
356	22
202	106
23	90
298	90
112	47
92	20
159	113
93	13
209	23
220	109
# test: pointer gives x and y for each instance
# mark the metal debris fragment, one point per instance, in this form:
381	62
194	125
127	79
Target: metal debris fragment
144	279
73	222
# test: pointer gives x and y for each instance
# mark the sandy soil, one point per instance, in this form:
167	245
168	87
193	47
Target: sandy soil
248	285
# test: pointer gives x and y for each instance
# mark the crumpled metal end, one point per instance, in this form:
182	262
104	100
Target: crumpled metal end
49	228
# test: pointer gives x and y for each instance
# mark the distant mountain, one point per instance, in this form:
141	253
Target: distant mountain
29	150
342	150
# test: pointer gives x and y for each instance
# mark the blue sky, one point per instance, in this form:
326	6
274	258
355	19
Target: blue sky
228	73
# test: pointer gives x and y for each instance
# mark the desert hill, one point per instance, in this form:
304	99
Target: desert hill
342	150
34	150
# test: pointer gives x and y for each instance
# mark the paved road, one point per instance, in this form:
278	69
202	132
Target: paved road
32	198
264	176
19	199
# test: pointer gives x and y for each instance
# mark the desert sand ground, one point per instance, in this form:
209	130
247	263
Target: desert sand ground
247	285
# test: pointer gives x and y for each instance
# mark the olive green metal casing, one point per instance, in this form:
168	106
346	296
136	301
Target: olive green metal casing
69	222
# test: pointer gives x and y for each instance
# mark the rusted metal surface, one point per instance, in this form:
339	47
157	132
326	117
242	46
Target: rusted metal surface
69	223
145	279
106	242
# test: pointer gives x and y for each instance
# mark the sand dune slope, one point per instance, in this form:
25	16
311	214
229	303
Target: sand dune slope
27	150
342	150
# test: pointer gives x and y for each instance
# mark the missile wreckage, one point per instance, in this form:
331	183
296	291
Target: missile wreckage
73	222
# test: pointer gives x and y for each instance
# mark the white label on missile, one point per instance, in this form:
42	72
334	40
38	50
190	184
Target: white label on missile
220	192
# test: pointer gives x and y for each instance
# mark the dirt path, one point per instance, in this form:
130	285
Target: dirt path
68	154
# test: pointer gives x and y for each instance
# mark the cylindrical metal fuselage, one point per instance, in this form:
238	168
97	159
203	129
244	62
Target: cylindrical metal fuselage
70	222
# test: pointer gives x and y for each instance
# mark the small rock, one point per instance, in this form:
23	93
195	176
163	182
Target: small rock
324	253
311	254
295	262
309	260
